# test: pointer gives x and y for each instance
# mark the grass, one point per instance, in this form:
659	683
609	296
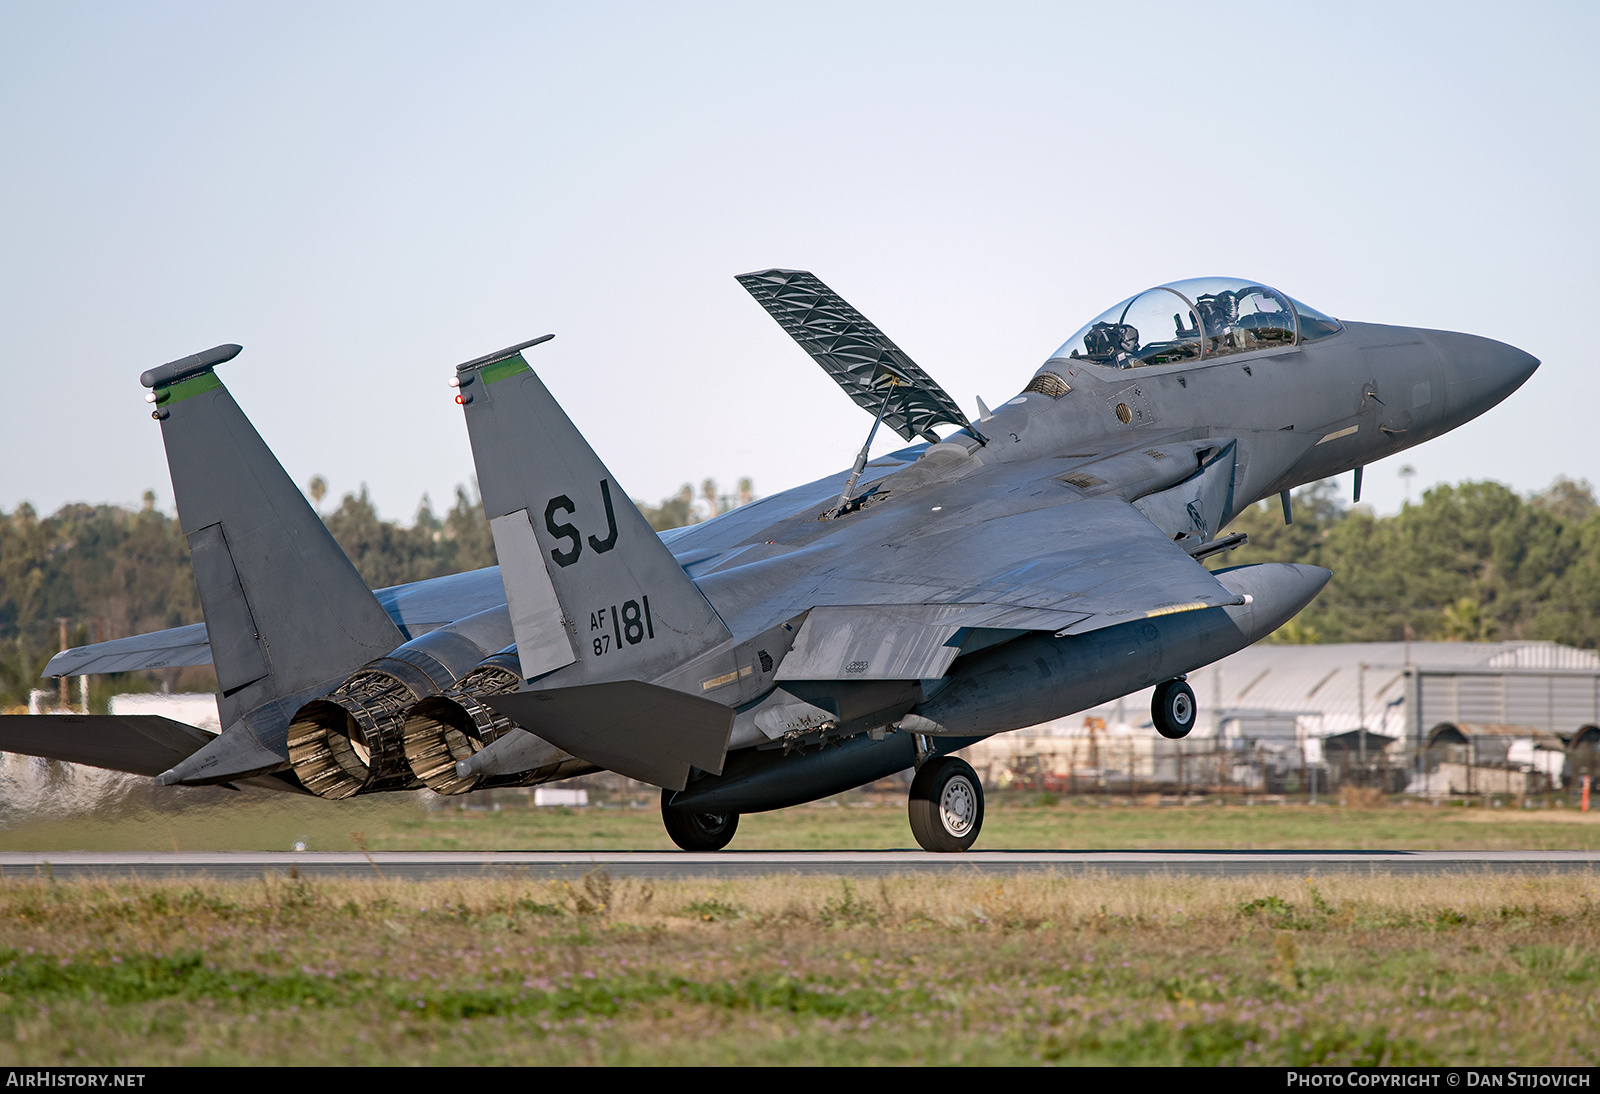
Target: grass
790	970
258	821
1038	969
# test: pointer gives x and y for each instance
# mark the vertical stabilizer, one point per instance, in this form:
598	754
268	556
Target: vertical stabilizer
586	577
285	609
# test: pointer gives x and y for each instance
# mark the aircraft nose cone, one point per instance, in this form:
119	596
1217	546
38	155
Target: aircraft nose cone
1509	366
1525	364
1479	372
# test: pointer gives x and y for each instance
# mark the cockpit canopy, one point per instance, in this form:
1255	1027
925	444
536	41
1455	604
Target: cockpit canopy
1202	317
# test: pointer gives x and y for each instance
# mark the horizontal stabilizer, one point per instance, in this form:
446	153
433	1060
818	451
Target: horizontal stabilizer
143	744
860	357
515	751
247	748
639	730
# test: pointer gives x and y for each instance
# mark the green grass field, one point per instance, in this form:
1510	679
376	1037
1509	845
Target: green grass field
971	970
1203	971
257	821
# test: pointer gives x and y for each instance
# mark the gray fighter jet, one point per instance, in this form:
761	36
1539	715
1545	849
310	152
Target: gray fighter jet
1040	560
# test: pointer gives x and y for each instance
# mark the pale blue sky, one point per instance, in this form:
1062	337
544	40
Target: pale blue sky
365	194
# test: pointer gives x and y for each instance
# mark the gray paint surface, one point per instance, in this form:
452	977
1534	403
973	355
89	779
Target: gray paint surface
544	643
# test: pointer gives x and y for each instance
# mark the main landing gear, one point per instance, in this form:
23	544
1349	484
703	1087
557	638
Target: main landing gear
946	805
945	809
1172	709
698	831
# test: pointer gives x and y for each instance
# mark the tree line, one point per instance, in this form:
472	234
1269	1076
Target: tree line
1471	562
109	572
1474	561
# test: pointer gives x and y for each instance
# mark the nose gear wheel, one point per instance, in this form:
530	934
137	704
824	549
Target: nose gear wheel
1173	710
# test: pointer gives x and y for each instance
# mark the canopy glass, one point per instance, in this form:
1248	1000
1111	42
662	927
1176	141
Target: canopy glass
1200	318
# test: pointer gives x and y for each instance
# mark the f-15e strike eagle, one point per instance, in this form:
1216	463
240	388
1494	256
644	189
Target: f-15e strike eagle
1040	560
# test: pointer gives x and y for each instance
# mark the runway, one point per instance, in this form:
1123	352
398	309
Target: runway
666	865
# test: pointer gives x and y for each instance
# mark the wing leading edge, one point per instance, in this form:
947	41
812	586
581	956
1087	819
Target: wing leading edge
1067	570
416	608
173	648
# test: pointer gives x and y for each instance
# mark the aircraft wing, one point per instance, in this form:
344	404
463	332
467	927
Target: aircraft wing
1099	559
416	609
159	650
860	357
902	611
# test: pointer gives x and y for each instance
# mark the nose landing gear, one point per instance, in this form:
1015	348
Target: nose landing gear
1173	709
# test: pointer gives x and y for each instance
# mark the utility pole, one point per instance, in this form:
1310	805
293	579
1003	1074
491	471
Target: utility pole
63	703
1361	705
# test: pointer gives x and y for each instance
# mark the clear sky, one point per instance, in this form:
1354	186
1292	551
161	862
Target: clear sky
364	195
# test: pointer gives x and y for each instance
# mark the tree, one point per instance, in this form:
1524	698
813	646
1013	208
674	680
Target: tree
1569	501
673	512
1470	562
467	544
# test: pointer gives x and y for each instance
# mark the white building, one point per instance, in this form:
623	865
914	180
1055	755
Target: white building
1273	708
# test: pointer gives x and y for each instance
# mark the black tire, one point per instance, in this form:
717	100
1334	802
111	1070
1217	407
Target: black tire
946	805
698	831
1173	709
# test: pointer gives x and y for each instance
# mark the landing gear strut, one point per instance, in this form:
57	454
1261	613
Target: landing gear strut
946	805
1172	709
698	831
